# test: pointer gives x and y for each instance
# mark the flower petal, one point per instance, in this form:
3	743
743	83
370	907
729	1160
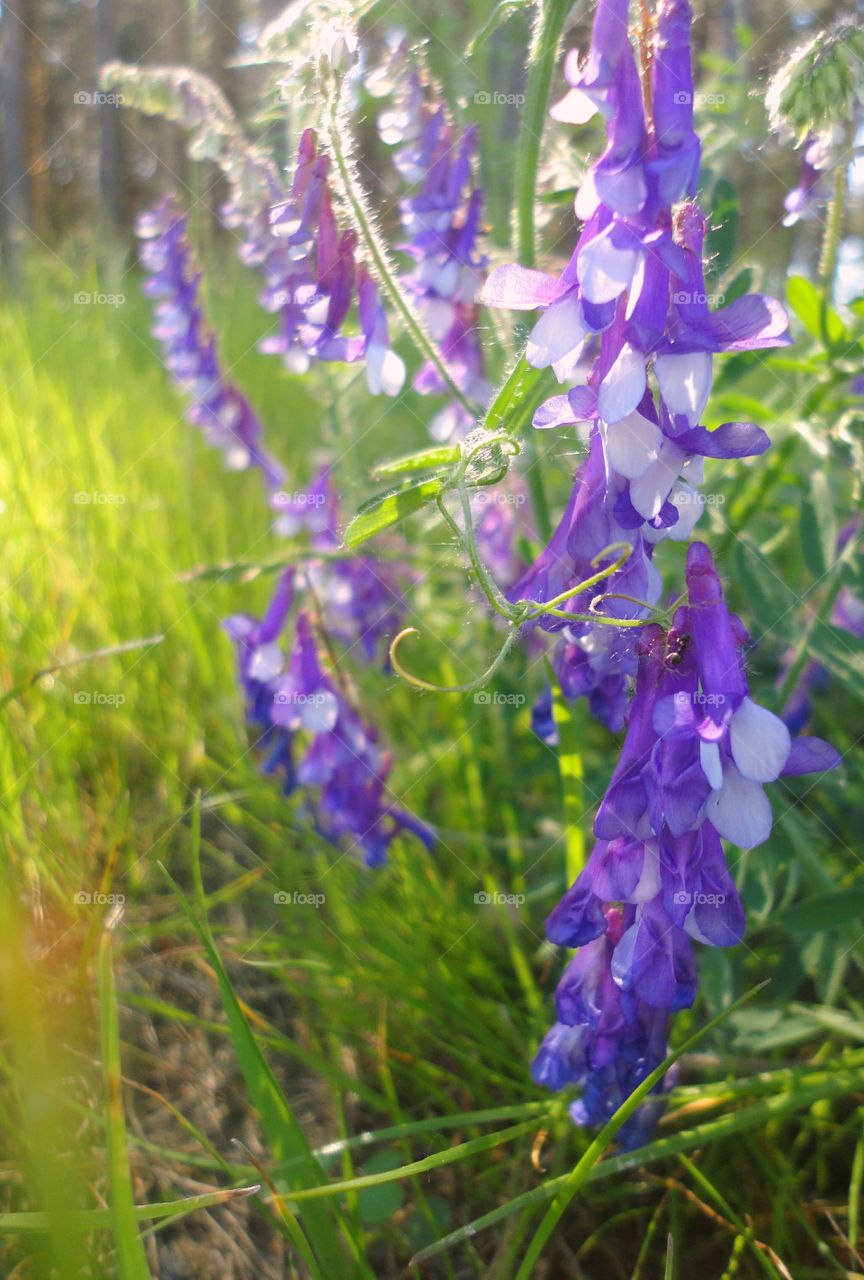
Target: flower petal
685	382
760	742
520	289
623	387
740	811
633	444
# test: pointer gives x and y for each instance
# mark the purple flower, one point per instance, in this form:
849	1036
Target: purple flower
312	278
633	295
220	409
696	756
606	1039
314	738
441	219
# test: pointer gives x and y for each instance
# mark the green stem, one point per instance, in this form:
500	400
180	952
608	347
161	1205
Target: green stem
551	15
833	232
549	23
802	650
339	140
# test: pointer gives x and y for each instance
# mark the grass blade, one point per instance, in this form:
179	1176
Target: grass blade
131	1261
324	1225
578	1175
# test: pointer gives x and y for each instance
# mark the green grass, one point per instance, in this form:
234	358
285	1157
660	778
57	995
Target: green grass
399	1007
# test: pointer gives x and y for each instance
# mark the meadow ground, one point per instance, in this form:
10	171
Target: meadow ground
397	1010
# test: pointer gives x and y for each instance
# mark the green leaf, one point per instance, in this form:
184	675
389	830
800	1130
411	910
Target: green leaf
389	508
827	911
819	319
499	15
324	1224
843	655
739	285
377	1204
756	580
424	460
720	240
131	1260
161	1213
571	733
818	526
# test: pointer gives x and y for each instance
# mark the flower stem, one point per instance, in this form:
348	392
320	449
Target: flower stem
339	142
549	24
802	650
833	232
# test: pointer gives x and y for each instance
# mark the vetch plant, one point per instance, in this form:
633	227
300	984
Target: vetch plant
633	333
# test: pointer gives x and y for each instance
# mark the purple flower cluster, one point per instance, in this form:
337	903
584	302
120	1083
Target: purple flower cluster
441	219
220	409
313	737
632	299
697	755
313	278
360	598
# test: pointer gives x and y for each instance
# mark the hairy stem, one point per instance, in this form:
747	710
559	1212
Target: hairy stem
339	143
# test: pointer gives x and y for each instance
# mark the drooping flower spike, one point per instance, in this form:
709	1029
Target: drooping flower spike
696	758
634	291
291	703
441	219
313	279
313	737
217	406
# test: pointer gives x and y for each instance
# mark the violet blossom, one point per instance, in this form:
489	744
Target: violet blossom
313	737
634	288
217	406
696	758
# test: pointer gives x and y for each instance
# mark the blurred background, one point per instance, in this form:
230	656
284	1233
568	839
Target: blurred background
75	166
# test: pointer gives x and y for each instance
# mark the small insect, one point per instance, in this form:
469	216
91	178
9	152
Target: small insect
678	644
